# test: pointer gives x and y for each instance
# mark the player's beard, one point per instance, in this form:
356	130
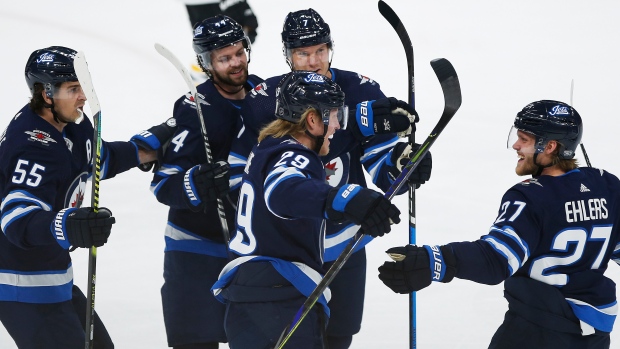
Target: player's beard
227	81
527	166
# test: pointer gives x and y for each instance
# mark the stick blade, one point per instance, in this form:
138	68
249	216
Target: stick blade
166	53
83	74
449	84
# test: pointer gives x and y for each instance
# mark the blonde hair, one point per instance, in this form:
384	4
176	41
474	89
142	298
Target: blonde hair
563	164
280	128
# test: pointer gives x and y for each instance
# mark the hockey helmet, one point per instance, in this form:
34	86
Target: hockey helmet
300	90
217	32
50	66
551	120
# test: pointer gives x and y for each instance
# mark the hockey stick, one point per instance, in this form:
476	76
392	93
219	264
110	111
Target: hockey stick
391	16
86	82
583	148
452	99
197	98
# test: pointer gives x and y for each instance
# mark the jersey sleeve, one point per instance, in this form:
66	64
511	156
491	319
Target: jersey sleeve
506	248
294	186
376	160
118	157
181	155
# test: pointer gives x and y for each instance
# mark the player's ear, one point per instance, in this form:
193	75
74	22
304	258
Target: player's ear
551	147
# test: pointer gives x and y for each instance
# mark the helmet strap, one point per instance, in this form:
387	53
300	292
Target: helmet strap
319	140
540	167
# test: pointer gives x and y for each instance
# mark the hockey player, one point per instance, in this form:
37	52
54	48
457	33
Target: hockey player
195	249
46	155
282	207
369	143
551	242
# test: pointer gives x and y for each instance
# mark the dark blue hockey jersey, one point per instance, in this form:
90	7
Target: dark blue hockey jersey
347	157
186	230
43	171
558	230
280	214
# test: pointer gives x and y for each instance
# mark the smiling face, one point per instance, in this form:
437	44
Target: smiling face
332	127
229	65
524	145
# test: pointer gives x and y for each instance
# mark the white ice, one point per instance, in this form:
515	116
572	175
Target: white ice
507	54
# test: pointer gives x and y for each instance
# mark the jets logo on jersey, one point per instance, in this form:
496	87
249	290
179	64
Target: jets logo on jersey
365	79
583	188
40	136
260	89
337	171
75	193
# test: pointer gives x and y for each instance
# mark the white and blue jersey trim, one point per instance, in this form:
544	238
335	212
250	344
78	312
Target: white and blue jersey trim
50	286
601	318
276	177
335	243
301	276
179	239
20	196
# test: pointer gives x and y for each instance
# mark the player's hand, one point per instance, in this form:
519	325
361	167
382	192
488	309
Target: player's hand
411	270
206	182
401	154
382	116
362	206
82	227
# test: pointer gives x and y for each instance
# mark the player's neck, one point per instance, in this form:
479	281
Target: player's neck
229	91
47	115
553	171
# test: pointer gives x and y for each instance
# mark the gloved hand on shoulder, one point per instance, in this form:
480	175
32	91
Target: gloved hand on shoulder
156	139
382	116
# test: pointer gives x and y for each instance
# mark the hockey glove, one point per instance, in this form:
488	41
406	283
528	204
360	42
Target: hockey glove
386	115
362	206
415	267
82	227
155	138
401	154
206	182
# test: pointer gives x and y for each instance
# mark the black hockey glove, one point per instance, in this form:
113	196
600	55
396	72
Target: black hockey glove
206	182
401	154
155	138
362	206
82	227
411	269
386	115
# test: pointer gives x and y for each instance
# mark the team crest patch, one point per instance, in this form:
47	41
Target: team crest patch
260	89
365	79
40	136
531	181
